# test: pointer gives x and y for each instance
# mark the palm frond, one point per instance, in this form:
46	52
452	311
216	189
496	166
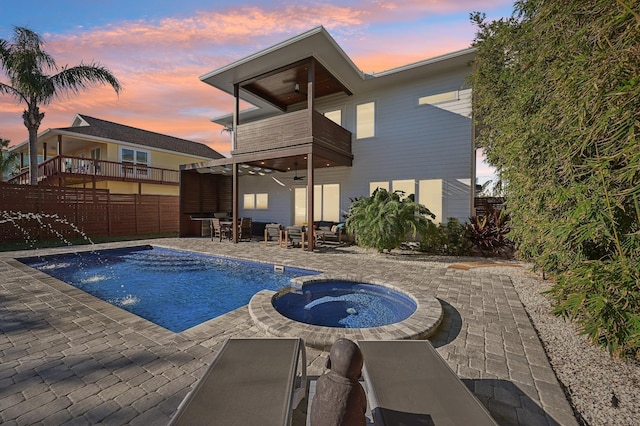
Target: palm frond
75	79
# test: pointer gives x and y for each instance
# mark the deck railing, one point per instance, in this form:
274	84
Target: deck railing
291	129
63	166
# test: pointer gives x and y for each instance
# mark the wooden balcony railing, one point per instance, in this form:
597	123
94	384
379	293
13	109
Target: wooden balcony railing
291	129
63	166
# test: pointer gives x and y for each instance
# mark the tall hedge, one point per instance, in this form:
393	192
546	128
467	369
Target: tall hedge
557	108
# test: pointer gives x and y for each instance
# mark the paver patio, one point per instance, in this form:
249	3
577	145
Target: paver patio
69	358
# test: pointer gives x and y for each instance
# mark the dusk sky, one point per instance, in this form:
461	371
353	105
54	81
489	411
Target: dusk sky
158	50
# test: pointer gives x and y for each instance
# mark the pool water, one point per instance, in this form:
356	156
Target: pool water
345	304
172	288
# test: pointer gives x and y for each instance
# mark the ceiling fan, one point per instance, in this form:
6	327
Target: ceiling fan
295	172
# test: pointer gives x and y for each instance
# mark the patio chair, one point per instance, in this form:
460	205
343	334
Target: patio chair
218	230
272	232
244	229
250	382
294	236
408	382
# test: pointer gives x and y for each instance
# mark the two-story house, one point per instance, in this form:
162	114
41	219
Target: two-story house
321	132
100	154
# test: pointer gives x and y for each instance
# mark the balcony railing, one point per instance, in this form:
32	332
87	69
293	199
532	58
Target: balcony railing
288	130
82	169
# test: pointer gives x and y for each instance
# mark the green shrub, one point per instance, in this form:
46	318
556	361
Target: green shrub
603	297
385	219
446	239
556	101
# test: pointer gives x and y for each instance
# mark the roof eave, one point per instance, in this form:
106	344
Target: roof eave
316	42
464	55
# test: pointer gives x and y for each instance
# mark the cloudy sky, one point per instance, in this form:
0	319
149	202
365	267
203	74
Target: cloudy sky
158	50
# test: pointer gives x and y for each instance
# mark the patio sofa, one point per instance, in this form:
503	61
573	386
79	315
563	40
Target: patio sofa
331	231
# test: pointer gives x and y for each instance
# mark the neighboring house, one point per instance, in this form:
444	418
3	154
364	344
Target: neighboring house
95	153
319	122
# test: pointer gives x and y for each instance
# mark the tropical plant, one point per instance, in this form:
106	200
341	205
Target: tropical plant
8	160
557	104
28	69
386	219
488	233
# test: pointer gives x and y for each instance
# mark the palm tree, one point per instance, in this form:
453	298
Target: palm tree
28	66
7	159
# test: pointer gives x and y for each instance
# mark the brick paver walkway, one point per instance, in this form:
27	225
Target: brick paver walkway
69	358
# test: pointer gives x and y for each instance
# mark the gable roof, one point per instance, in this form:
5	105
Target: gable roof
91	126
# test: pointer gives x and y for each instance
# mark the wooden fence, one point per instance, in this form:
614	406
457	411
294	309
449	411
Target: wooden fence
483	205
32	213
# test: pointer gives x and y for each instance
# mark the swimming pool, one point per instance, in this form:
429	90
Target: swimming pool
172	288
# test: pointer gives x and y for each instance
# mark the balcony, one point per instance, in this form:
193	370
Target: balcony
293	132
64	170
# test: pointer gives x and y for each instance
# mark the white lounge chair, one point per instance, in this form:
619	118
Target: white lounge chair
250	382
408	382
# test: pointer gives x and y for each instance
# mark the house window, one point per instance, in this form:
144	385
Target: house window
430	196
142	158
138	158
439	98
365	120
95	165
335	116
128	155
256	201
408	186
249	201
300	206
375	185
262	201
326	202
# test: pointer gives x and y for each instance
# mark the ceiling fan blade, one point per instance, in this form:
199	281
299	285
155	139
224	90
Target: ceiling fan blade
278	181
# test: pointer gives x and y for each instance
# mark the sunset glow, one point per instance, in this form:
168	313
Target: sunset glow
158	53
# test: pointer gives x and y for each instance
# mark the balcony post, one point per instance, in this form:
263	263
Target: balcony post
234	202
310	202
310	182
311	76
236	117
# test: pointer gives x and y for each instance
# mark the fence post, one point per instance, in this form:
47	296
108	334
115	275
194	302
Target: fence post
135	210
109	213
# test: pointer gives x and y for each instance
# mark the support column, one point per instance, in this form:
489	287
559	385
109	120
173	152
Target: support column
236	117
234	223
310	178
310	201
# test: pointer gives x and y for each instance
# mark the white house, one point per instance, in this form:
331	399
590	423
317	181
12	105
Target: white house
319	122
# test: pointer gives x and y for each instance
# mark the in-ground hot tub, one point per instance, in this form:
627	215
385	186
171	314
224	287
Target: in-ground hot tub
336	304
345	304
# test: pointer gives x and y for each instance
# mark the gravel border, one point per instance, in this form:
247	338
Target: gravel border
601	389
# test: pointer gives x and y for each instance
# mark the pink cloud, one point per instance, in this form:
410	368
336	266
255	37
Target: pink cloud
159	62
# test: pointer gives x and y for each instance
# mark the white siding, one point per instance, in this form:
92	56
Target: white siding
412	141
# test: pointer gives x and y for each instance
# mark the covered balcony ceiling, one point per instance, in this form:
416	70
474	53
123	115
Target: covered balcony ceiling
287	86
264	166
